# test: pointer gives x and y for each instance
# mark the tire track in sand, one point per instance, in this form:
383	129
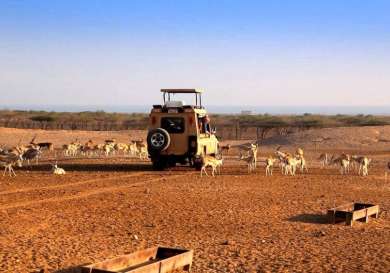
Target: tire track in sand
54	187
84	194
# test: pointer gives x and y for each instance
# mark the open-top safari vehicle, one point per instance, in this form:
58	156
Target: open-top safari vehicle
180	132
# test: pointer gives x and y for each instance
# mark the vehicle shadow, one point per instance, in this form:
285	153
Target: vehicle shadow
310	218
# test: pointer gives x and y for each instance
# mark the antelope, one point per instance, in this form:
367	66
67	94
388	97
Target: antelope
282	157
324	158
214	163
253	151
56	170
30	154
343	162
108	148
225	148
8	161
250	161
142	149
302	163
43	145
143	152
269	162
291	165
71	149
110	141
363	163
133	148
121	147
299	152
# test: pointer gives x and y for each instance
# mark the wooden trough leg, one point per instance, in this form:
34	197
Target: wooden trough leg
348	220
187	268
367	216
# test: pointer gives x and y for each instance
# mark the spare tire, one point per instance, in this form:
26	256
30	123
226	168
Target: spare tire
158	140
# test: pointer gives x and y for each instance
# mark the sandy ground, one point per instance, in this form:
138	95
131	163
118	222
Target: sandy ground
234	223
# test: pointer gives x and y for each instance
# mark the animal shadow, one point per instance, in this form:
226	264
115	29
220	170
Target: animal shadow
310	218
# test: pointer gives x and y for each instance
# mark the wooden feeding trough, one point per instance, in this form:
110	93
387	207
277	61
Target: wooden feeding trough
351	212
152	260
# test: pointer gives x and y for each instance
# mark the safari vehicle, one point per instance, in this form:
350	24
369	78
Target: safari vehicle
180	132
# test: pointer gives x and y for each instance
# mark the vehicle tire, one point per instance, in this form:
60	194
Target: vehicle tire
158	140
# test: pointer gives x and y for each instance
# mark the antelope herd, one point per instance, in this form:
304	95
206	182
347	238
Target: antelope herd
287	162
15	156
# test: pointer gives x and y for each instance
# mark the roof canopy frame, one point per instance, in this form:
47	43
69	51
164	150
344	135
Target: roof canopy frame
198	94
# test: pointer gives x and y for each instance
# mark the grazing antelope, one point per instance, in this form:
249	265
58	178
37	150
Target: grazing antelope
8	161
214	163
269	162
56	170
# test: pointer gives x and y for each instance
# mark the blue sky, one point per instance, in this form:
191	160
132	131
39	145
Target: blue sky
241	52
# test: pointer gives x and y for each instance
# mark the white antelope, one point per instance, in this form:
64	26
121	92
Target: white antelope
269	163
56	170
291	165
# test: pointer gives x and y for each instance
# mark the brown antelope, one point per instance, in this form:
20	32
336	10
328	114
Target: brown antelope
363	163
43	145
214	163
225	148
250	161
10	160
30	154
324	159
343	162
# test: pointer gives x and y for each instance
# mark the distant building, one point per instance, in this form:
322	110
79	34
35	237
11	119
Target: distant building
246	112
